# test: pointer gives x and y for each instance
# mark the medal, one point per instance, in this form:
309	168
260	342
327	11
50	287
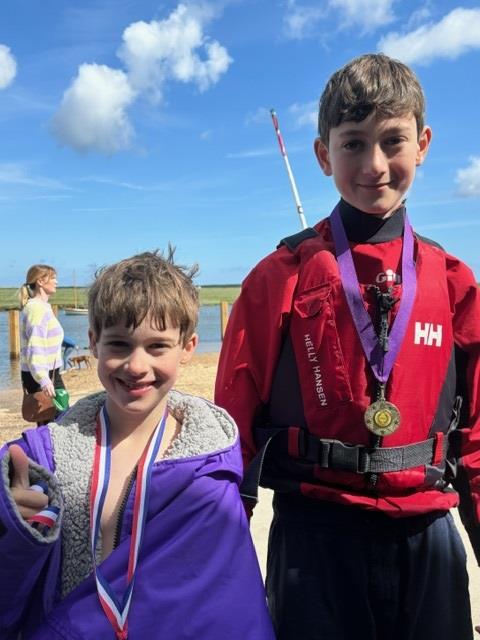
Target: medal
381	417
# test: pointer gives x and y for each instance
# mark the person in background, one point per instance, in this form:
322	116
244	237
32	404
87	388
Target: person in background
68	346
41	334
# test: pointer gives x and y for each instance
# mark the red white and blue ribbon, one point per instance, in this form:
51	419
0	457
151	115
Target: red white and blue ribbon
45	519
116	609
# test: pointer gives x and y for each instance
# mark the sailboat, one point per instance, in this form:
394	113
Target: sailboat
75	310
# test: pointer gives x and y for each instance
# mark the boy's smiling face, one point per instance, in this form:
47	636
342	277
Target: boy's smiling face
373	162
139	366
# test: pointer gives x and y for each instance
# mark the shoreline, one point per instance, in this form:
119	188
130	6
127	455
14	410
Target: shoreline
196	377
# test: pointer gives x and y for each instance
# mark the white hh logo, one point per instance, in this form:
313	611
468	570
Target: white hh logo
389	276
426	333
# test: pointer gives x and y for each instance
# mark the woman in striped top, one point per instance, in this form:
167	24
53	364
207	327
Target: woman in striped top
41	334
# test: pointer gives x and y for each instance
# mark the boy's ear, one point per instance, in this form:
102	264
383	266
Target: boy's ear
323	157
93	343
423	145
189	349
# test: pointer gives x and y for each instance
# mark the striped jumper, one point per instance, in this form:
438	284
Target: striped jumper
41	337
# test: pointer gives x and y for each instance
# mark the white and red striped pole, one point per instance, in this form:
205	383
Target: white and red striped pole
283	151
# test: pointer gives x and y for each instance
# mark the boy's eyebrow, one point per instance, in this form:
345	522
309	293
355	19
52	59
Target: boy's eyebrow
126	336
358	132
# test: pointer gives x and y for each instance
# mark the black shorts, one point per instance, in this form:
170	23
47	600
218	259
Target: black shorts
336	572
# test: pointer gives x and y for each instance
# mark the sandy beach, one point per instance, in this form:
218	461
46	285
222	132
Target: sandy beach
198	378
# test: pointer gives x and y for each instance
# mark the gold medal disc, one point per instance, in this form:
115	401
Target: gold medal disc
382	418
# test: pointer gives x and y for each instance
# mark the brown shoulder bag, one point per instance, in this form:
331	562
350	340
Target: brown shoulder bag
37	407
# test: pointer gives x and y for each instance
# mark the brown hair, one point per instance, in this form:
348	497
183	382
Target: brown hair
34	274
147	283
372	82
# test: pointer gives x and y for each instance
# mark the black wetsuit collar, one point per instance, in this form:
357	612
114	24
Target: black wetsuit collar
361	227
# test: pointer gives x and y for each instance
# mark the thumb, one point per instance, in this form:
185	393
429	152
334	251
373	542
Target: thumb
20	464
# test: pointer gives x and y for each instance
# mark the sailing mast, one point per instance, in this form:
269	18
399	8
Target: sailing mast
75	301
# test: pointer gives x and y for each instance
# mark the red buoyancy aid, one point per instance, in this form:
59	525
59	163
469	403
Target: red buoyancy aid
291	364
336	384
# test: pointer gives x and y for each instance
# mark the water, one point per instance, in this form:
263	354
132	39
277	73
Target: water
76	327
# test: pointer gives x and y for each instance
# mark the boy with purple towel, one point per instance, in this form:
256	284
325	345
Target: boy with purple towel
124	520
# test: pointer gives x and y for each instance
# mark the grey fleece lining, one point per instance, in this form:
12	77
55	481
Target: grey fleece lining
205	428
36	473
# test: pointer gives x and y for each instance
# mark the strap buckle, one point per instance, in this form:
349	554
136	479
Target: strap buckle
333	454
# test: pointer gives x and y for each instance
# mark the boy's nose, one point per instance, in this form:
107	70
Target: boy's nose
137	362
375	161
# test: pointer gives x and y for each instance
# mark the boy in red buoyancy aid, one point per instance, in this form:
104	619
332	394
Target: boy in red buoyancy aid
351	364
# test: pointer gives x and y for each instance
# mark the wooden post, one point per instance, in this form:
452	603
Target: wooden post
223	317
14	325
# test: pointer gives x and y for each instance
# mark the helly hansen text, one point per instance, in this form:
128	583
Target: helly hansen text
317	373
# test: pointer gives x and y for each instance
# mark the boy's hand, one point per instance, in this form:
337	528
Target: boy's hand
29	502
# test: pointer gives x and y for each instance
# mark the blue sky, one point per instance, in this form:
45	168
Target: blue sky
127	124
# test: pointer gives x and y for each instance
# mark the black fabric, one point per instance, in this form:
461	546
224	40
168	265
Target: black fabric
293	241
338	573
31	385
429	241
467	511
364	228
285	406
443	414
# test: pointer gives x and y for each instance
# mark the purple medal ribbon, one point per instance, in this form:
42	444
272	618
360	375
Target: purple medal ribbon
380	362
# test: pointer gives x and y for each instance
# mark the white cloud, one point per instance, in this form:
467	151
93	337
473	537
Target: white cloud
93	112
127	185
418	17
366	14
8	66
300	20
453	224
260	116
16	174
306	114
252	153
171	49
468	179
92	115
456	33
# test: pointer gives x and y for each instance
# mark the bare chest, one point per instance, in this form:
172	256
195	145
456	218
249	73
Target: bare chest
123	465
121	476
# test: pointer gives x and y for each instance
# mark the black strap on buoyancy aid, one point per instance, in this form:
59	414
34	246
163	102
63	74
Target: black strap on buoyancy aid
292	242
327	453
333	454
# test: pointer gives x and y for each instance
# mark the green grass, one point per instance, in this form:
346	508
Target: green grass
64	297
216	294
